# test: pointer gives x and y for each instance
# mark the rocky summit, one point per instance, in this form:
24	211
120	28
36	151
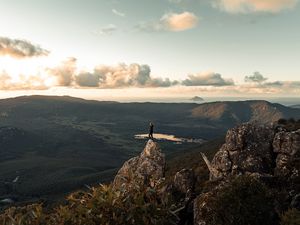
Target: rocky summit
257	149
247	149
147	169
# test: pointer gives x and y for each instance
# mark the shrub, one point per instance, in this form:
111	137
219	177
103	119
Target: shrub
28	215
101	205
290	124
290	217
282	121
245	200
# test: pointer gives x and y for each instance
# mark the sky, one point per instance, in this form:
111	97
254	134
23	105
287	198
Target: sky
150	48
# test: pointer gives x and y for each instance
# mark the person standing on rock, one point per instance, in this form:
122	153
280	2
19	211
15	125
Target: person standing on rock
151	130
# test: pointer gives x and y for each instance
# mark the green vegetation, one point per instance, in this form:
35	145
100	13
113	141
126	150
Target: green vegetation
290	124
244	200
101	205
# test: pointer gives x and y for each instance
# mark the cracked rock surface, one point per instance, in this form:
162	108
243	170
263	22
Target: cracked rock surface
247	149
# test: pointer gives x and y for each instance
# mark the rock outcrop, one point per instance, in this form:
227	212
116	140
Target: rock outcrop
147	169
248	149
257	150
287	146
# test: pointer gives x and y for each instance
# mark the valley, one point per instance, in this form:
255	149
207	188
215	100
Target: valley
55	145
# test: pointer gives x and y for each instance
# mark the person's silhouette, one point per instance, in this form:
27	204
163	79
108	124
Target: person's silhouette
151	130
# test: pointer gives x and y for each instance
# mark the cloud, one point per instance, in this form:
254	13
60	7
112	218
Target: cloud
248	6
20	48
171	22
123	75
103	76
67	74
133	75
257	84
283	84
159	82
276	88
258	81
107	30
207	79
86	79
179	22
256	77
118	13
64	73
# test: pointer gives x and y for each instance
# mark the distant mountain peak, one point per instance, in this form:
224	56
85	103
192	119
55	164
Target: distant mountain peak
243	111
197	99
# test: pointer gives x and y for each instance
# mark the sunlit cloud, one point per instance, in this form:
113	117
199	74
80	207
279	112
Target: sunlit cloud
120	76
36	81
174	22
179	22
135	76
248	6
63	74
20	48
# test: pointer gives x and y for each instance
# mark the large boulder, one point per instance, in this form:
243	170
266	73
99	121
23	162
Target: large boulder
247	149
147	169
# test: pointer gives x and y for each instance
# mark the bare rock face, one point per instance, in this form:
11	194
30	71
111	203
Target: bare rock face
287	146
248	149
147	169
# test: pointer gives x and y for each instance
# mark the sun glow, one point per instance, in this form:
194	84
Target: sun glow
16	67
28	73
